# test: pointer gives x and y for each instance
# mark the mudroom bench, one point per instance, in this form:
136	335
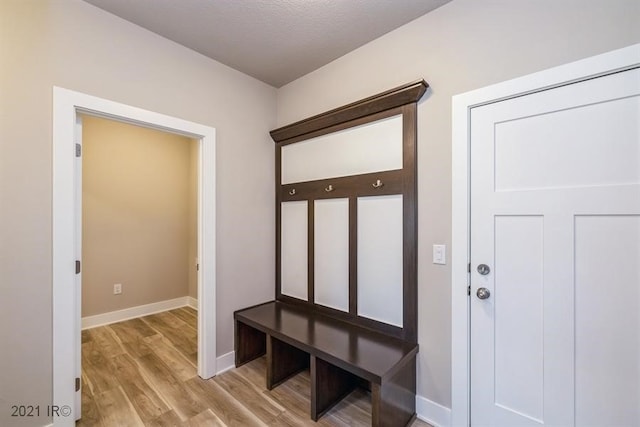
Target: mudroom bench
346	291
340	355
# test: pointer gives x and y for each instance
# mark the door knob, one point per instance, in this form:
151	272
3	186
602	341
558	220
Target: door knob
483	293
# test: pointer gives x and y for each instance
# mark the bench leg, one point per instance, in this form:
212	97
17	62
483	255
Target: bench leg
250	343
283	361
393	403
329	384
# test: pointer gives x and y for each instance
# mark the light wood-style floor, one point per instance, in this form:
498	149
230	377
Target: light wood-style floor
143	372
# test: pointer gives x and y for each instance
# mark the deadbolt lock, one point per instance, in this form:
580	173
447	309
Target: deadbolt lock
483	269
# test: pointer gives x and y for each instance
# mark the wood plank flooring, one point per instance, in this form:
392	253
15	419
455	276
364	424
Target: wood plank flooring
142	372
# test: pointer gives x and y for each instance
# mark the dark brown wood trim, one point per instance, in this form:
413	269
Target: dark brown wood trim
396	111
295	301
393	402
410	224
311	250
250	343
329	385
344	316
235	313
278	236
405	94
346	186
283	361
353	256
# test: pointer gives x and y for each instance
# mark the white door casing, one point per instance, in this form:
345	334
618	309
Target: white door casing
66	235
542	217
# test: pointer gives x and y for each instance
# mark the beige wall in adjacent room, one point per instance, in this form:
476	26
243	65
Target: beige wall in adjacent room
136	215
463	45
72	44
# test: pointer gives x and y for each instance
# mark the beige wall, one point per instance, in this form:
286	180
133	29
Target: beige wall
136	215
72	44
463	45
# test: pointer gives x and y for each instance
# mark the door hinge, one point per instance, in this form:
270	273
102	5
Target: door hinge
77	267
197	267
468	290
469	268
77	384
78	150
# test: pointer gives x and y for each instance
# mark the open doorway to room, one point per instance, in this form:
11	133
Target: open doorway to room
68	109
139	219
139	267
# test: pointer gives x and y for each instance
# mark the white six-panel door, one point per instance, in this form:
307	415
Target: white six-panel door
555	216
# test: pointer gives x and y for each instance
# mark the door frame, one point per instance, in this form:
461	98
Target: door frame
614	61
67	105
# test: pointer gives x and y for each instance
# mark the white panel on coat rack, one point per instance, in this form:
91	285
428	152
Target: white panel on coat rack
293	253
380	273
372	147
331	254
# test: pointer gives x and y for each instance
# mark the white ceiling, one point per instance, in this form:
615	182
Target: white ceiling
275	41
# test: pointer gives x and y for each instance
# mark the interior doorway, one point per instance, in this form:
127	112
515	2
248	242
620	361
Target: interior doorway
139	220
139	246
67	167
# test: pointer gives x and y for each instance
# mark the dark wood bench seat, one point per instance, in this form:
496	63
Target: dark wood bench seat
340	356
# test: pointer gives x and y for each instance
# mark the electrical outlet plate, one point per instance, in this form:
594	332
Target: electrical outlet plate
117	289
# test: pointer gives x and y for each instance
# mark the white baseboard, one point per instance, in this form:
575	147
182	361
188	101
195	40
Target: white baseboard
192	302
225	362
133	312
432	412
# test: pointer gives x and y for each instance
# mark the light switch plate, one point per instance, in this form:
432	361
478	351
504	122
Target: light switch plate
439	254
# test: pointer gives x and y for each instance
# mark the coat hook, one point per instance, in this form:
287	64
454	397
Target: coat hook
377	184
292	192
329	188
